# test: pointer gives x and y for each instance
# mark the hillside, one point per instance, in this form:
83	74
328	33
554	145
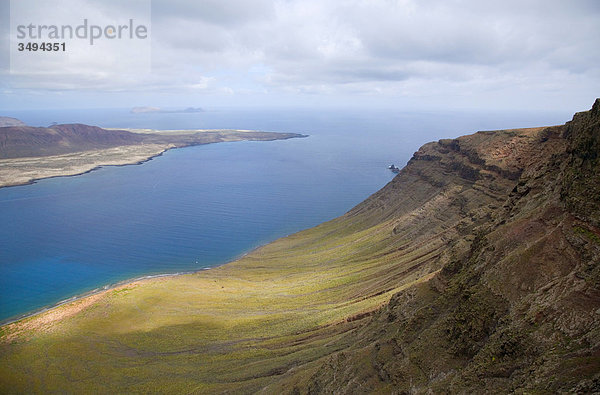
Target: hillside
519	309
27	141
475	269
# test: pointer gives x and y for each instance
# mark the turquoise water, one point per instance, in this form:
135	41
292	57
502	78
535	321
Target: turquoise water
198	207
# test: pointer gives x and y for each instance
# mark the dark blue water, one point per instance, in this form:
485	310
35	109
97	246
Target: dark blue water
201	206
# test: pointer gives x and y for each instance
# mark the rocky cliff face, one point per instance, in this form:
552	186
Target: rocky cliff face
516	306
580	187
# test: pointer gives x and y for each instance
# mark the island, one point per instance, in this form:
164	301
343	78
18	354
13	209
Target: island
150	109
31	153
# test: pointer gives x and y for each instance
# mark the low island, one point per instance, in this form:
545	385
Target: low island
32	153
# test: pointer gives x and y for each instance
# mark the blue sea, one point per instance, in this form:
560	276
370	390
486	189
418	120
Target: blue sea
198	207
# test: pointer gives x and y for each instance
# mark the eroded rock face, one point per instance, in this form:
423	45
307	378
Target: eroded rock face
581	189
516	305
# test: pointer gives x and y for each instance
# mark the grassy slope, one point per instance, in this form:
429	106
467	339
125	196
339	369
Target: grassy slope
283	308
518	311
234	326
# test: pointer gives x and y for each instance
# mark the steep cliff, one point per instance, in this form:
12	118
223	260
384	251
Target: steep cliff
519	308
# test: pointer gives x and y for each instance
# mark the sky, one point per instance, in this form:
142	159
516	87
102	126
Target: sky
407	54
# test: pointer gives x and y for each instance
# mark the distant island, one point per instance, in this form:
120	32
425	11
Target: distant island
145	110
30	153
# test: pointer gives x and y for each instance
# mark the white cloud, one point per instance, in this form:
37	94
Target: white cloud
509	51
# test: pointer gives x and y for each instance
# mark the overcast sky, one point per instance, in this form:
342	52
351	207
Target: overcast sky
409	54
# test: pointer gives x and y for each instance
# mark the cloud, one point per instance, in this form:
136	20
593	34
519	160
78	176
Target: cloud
231	14
389	48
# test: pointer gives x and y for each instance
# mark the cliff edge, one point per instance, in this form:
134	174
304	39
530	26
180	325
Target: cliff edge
514	309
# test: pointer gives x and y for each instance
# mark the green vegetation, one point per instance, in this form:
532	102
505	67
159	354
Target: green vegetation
587	233
235	327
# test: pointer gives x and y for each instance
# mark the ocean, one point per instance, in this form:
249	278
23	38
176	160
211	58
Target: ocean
198	207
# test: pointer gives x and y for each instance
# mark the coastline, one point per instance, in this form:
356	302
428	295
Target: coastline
116	156
28	170
95	291
124	283
82	169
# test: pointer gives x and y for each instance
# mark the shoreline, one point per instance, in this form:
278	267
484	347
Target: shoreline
97	167
95	291
111	286
41	168
122	283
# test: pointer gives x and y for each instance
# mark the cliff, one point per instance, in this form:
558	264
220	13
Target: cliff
476	269
516	306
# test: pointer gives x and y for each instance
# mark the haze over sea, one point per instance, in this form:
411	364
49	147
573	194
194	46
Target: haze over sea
197	207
